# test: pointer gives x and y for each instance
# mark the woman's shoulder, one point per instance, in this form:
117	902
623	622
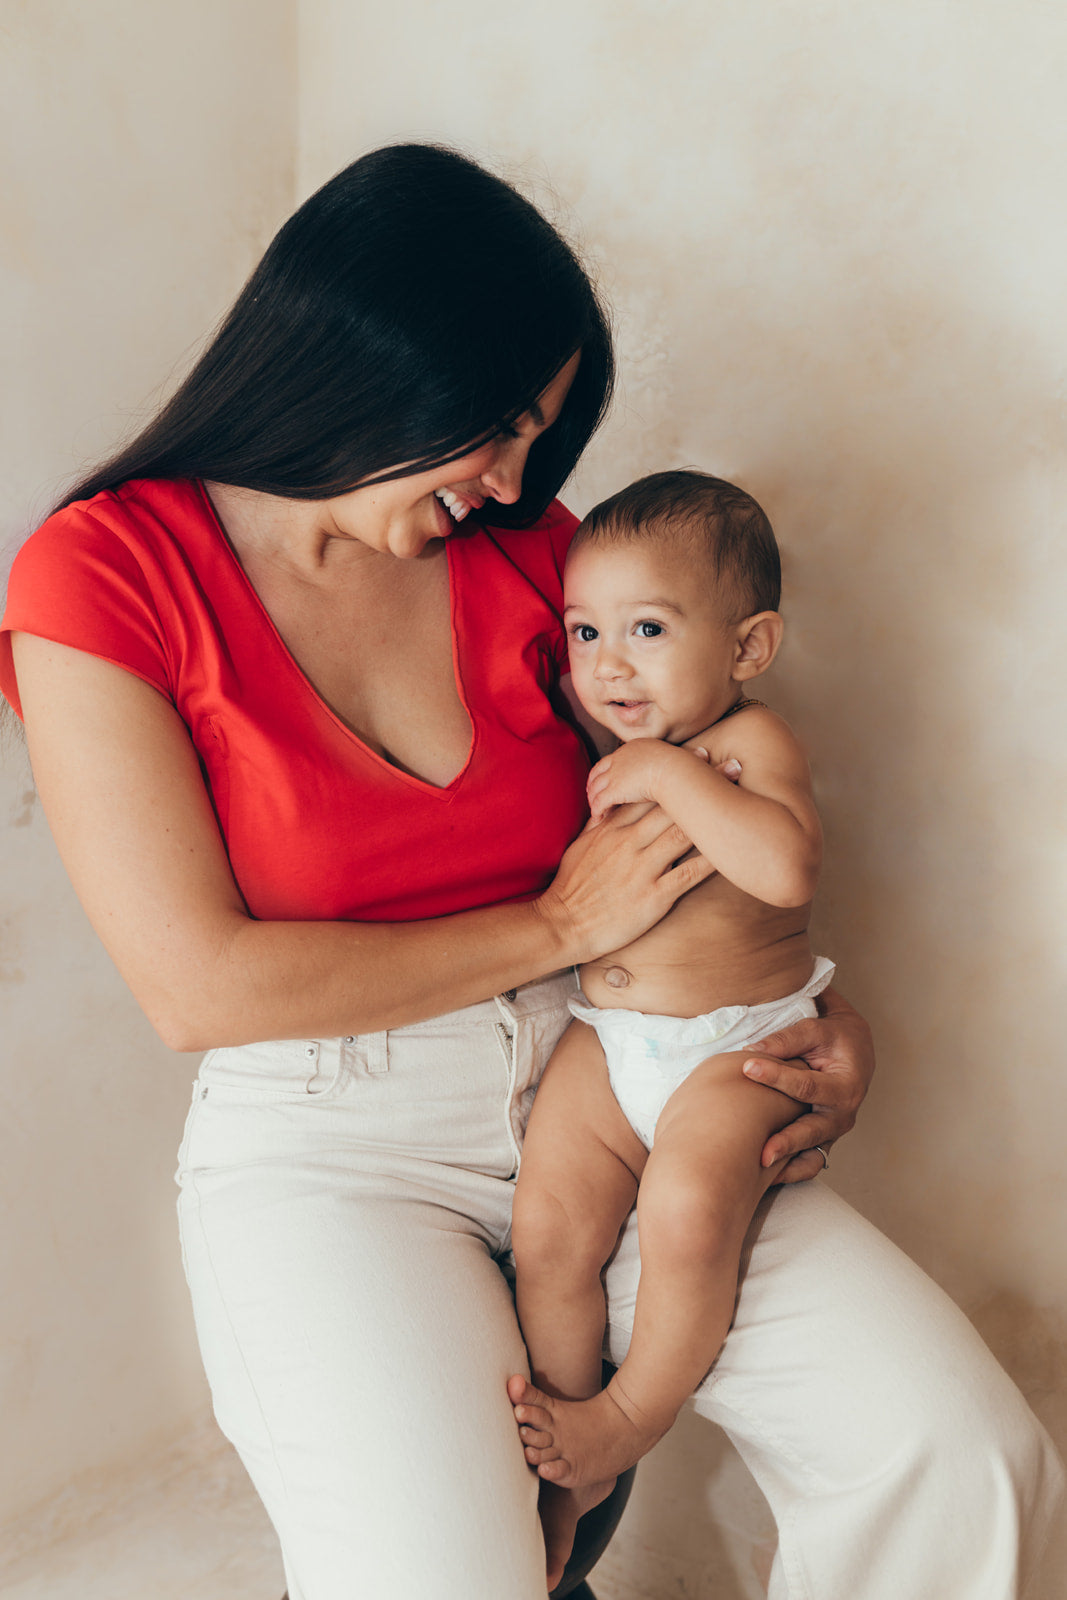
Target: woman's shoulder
139	513
541	549
106	574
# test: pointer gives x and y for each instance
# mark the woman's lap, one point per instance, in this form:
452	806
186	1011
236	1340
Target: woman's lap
342	1250
896	1455
357	1332
358	1350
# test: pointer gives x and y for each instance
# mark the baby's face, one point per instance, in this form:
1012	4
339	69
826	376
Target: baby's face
651	651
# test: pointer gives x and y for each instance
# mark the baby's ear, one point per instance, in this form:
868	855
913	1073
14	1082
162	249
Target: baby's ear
757	642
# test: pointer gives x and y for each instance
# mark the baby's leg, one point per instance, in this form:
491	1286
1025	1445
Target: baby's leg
580	1166
700	1187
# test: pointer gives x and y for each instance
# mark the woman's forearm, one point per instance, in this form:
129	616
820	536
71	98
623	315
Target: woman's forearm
235	980
285	980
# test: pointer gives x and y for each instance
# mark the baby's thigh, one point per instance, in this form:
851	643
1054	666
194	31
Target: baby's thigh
358	1347
708	1142
581	1160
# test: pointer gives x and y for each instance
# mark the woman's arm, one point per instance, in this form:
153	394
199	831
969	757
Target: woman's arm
827	1064
121	786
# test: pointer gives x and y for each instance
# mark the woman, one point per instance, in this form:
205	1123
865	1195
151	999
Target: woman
291	692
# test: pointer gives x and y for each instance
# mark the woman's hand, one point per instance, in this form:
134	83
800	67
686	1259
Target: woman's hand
826	1063
618	878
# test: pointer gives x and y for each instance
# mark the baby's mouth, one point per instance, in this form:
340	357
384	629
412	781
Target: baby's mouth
628	708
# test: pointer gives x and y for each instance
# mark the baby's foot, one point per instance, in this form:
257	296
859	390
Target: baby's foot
578	1443
559	1510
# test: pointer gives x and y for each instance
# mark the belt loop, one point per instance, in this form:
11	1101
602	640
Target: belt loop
377	1045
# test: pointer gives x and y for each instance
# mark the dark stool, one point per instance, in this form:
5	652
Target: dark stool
591	1540
594	1532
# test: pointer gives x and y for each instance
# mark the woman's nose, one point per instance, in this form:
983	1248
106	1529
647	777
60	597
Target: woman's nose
503	480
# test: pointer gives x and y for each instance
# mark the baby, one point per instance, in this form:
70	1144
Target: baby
672	590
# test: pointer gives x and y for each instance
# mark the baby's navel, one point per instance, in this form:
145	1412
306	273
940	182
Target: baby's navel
617	977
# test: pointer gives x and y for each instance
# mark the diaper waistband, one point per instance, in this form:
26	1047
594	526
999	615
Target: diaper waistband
710	1025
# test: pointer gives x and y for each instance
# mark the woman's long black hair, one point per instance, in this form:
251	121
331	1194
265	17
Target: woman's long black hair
409	309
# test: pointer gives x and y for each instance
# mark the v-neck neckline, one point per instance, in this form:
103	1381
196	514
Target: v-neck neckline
309	688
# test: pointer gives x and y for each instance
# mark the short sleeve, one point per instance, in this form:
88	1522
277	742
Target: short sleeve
540	554
560	526
77	582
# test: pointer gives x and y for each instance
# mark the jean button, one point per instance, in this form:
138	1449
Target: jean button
509	994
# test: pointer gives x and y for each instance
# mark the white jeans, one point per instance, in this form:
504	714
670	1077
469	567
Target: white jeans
345	1210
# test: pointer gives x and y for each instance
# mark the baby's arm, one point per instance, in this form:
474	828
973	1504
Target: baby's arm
762	833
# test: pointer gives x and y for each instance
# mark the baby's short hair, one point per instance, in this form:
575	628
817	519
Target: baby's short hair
720	525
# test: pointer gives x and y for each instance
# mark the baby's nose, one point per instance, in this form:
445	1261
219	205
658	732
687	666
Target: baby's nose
609	664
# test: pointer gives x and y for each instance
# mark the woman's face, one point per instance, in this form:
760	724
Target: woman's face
405	515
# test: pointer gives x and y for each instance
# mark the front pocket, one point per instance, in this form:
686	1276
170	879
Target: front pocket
293	1067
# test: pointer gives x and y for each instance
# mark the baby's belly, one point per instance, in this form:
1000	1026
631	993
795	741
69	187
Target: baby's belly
716	947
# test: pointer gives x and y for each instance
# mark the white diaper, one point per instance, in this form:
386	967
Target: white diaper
649	1056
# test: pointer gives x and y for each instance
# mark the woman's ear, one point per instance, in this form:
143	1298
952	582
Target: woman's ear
757	642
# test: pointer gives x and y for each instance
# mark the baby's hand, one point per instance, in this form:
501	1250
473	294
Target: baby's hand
634	771
629	773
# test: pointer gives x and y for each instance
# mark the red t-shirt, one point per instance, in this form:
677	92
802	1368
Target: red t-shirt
318	826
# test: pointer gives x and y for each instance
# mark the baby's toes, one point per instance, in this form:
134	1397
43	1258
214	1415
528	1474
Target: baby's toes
536	1437
536	1454
533	1417
554	1470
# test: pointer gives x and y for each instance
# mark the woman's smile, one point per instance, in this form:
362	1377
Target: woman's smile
402	516
457	503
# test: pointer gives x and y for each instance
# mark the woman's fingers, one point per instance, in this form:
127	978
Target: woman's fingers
815	1127
798	1081
685	875
837	1042
824	1062
802	1168
836	1060
618	879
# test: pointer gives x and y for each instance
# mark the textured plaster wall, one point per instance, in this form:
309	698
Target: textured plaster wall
148	157
834	235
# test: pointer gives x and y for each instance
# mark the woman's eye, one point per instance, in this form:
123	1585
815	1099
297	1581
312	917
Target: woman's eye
649	630
585	633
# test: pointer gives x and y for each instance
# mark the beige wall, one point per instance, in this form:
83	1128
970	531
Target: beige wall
148	158
835	237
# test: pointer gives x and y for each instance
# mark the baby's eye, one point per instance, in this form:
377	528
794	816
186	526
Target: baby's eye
584	632
649	630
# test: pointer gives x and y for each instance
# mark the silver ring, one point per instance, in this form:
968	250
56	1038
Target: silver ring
825	1157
